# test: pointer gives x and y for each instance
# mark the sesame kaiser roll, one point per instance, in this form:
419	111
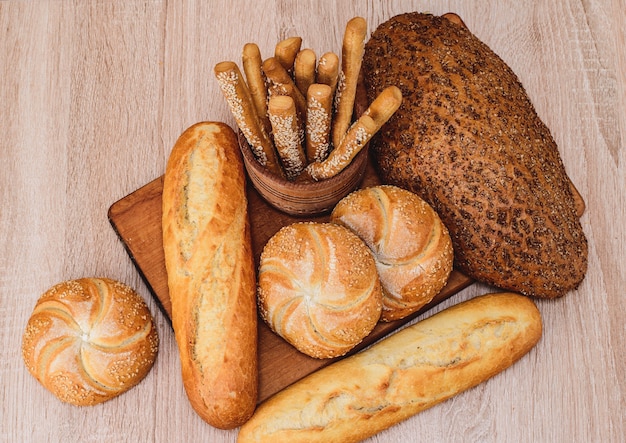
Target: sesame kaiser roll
411	246
89	340
318	288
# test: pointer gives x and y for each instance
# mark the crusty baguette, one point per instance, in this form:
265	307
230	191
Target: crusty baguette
211	276
412	370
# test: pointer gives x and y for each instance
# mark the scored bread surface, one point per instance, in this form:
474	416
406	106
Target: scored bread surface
211	276
401	375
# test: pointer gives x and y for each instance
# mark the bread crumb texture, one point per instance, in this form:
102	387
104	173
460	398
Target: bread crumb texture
89	340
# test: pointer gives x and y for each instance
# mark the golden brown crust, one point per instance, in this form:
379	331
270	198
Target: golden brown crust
402	375
468	141
318	288
255	79
328	71
287	50
211	277
351	60
358	135
288	135
281	83
318	118
243	109
304	70
411	246
89	340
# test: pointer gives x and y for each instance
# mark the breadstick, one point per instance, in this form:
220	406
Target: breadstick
304	70
240	102
252	62
286	51
351	57
381	110
328	71
318	118
281	83
287	134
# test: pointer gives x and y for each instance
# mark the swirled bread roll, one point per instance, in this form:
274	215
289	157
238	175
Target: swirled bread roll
402	375
411	246
467	140
89	340
318	288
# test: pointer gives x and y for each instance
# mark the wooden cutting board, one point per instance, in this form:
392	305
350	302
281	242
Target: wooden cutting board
137	220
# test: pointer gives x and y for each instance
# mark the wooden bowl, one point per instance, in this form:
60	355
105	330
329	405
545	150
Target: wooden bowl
303	198
308	198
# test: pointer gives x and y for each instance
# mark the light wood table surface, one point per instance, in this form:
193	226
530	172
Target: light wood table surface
93	95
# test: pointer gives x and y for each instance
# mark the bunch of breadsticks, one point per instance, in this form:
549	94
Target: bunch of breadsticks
296	111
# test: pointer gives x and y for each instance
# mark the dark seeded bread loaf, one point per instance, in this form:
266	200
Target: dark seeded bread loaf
468	141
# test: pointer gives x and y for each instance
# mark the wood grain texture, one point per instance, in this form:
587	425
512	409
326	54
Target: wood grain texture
93	96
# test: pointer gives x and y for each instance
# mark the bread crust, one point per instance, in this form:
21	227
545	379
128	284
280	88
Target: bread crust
402	375
89	340
318	288
468	141
211	275
410	244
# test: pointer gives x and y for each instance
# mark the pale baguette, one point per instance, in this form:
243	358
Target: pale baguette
414	369
210	270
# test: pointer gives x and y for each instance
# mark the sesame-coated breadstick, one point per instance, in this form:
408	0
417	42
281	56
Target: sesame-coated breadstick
239	100
281	83
287	134
251	60
351	57
381	110
328	70
318	119
286	51
304	69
